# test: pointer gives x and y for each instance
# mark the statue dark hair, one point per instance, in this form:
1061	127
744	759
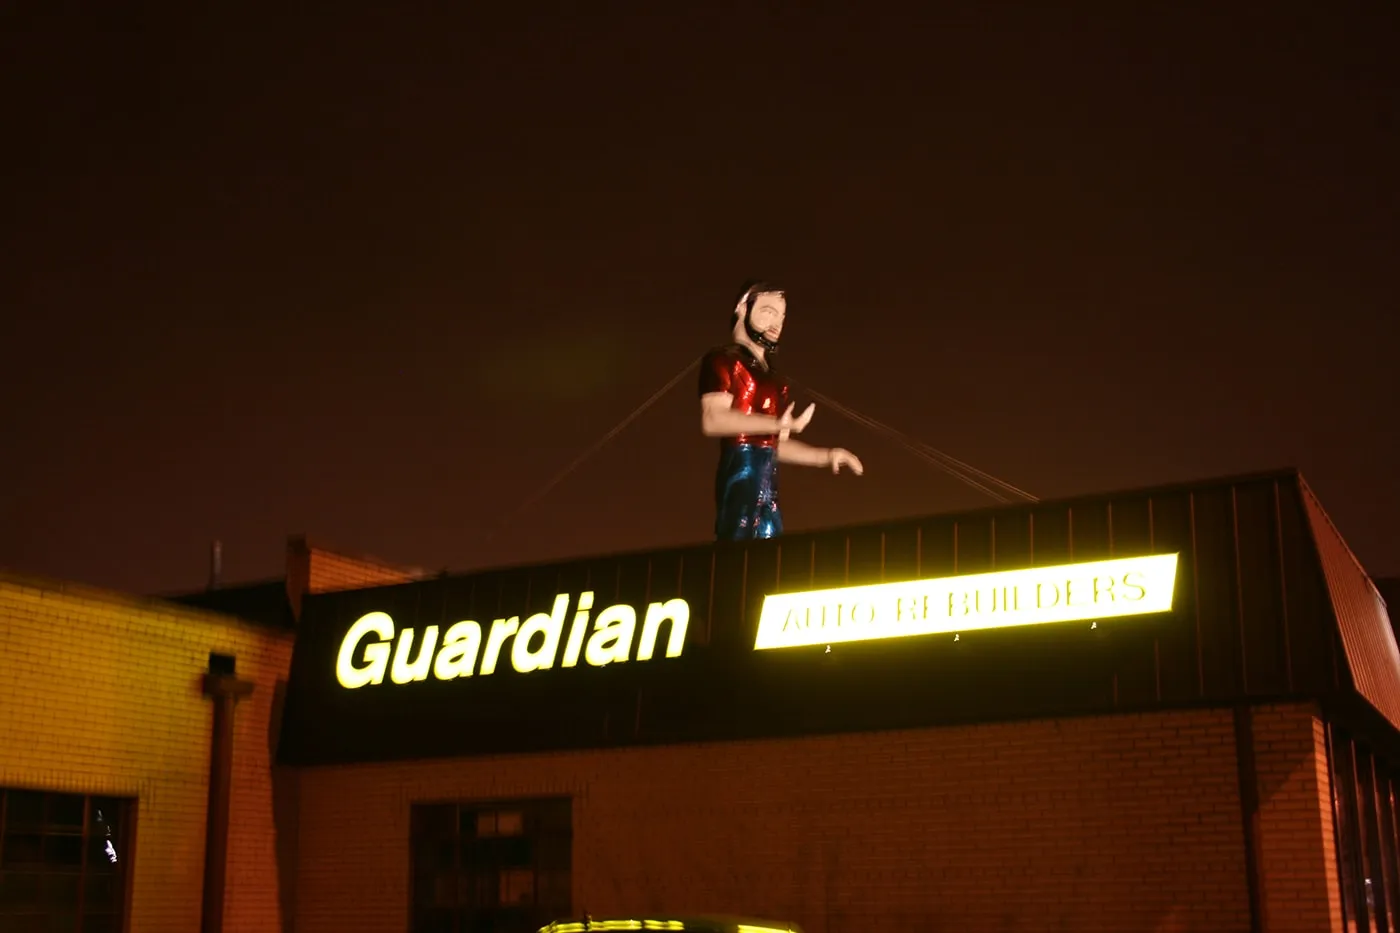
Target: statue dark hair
755	287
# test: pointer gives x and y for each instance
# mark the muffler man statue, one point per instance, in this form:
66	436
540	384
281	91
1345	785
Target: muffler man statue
744	402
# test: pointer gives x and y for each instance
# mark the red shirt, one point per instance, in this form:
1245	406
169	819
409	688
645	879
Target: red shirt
757	390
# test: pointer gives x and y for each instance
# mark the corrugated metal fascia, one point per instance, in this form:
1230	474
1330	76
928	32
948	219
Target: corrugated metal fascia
1373	658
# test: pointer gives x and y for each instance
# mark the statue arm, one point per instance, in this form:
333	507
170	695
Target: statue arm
803	454
836	458
719	419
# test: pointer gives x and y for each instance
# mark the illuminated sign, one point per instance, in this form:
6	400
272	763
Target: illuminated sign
1070	592
590	926
365	652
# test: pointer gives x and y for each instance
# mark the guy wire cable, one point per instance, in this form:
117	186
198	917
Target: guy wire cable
544	490
929	454
949	458
946	462
949	464
912	448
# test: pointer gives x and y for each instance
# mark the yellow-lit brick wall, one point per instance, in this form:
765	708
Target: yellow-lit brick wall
101	693
1297	862
1116	823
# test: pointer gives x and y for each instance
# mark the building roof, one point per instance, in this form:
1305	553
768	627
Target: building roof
265	603
310	567
149	605
1269	604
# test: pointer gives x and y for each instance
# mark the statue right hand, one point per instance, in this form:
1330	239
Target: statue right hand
787	424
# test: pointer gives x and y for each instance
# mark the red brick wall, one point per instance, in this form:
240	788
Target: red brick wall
312	569
1297	862
100	693
1111	823
331	571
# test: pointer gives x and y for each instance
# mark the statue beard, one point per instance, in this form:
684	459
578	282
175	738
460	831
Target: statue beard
759	337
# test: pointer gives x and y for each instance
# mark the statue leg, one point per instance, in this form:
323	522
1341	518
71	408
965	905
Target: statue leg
769	522
746	494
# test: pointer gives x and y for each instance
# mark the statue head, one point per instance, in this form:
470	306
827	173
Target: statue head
759	313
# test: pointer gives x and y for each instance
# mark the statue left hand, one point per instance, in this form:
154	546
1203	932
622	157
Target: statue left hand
800	423
841	457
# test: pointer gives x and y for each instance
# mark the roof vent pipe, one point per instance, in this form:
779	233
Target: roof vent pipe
216	564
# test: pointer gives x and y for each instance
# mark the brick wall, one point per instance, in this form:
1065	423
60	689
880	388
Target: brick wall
1106	823
1298	864
312	569
101	693
1111	823
328	571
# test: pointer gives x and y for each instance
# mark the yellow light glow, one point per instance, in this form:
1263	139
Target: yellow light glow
577	927
1095	590
369	650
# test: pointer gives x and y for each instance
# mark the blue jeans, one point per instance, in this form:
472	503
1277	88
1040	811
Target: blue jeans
746	494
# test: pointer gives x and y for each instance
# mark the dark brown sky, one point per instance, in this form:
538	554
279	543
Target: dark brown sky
375	279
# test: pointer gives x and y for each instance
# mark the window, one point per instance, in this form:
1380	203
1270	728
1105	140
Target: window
501	867
63	861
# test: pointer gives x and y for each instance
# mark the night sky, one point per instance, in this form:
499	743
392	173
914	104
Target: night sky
376	278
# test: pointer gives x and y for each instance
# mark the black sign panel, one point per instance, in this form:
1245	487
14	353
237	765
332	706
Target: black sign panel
718	687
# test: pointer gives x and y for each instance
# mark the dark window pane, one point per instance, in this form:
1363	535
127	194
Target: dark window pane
102	923
552	890
63	923
102	892
24	809
554	853
433	921
467	890
63	852
423	892
65	811
445	889
434	820
496	877
21	849
487	889
61	891
467	858
555	817
19	890
517	887
435	853
516	852
513	920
